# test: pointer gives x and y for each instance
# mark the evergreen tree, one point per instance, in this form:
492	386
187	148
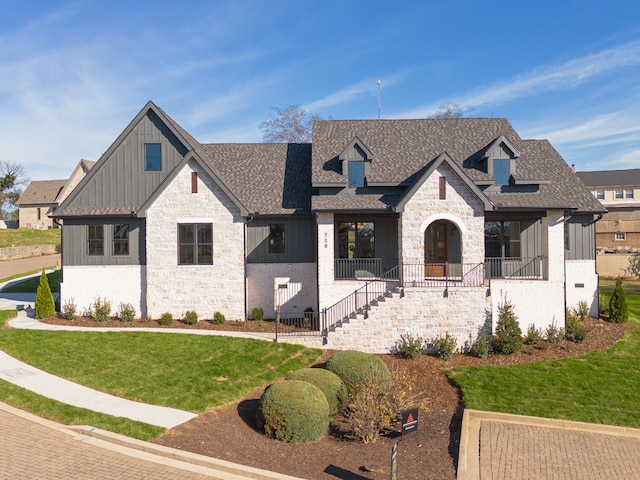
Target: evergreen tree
45	306
618	311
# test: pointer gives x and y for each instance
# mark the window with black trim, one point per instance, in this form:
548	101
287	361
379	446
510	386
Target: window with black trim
95	239
276	238
152	157
121	239
195	244
502	239
356	240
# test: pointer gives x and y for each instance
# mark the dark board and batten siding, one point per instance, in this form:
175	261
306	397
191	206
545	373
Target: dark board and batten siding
300	240
121	180
75	250
580	238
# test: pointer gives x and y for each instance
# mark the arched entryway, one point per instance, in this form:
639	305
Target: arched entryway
442	249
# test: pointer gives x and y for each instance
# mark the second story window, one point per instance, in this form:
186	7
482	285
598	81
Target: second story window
600	194
152	157
356	174
276	238
628	193
501	171
619	193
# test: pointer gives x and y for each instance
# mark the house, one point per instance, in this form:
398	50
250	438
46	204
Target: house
619	192
42	197
381	227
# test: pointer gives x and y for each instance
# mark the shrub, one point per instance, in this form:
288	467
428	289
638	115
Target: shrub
257	313
533	336
44	304
166	319
293	411
508	336
330	384
101	309
409	346
127	312
581	311
444	347
191	317
553	333
618	311
262	324
355	367
69	309
481	348
218	318
603	303
370	410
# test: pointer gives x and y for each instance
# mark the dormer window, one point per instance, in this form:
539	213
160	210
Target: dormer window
356	174
501	171
356	161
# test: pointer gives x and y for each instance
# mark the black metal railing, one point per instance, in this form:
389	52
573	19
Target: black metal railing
362	268
443	275
525	268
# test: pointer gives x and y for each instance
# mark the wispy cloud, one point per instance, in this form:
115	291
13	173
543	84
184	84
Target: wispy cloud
544	79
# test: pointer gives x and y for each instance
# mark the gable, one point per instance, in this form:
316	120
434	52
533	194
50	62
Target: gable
119	181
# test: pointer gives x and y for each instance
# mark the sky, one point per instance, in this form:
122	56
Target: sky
74	73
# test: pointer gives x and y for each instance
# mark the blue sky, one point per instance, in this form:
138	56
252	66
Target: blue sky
74	73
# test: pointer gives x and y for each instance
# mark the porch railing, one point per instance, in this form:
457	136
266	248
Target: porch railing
362	268
525	268
443	275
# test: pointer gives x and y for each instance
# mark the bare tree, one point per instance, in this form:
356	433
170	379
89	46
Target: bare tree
634	265
12	180
288	125
452	110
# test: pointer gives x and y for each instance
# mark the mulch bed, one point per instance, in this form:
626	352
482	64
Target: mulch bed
230	433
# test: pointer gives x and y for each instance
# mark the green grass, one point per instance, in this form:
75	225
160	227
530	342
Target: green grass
30	285
12	237
25	274
189	372
600	387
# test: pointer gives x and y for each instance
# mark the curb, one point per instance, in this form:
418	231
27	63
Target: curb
213	467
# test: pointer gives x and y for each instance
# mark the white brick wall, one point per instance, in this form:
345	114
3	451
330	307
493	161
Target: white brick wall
582	272
260	286
177	288
117	284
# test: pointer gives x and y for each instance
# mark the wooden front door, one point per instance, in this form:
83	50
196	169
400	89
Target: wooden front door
436	249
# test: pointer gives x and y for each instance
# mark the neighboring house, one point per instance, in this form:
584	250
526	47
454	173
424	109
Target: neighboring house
383	227
619	193
42	197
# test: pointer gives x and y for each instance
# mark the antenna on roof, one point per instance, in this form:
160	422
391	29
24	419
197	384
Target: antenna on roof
378	97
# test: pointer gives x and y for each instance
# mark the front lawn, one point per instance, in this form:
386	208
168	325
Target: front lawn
30	285
26	237
601	387
189	372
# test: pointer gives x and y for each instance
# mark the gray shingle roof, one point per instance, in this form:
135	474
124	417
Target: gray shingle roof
41	192
401	148
268	178
611	178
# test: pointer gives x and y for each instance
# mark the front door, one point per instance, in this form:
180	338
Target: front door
436	249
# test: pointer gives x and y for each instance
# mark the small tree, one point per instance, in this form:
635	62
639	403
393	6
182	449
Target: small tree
618	311
45	306
288	125
634	265
508	336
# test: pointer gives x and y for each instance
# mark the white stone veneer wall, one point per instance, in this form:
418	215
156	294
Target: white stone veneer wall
117	284
537	302
204	288
260	286
425	313
461	207
582	272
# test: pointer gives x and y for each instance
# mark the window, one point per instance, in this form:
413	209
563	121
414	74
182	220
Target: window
194	182
619	193
121	239
600	194
502	239
628	193
356	174
95	239
501	172
195	244
356	240
276	238
152	157
620	236
38	213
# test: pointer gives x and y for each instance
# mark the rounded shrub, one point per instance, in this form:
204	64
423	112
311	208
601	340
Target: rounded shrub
166	318
191	317
257	313
356	368
293	411
218	318
330	384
